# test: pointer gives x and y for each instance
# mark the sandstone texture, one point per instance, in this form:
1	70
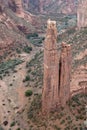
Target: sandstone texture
62	77
57	71
50	98
65	73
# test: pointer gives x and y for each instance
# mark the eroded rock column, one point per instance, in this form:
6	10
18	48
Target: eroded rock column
50	97
65	73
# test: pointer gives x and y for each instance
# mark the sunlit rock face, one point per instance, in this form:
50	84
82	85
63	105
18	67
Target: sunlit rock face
65	72
50	98
57	71
82	14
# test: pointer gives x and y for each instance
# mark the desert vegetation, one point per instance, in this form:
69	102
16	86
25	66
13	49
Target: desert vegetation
21	69
34	68
35	39
66	118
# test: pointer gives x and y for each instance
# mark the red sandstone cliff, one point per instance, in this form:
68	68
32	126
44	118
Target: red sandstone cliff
12	29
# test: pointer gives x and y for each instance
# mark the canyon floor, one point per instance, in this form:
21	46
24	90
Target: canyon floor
15	105
12	95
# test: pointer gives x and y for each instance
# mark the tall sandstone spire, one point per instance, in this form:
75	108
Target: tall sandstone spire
50	97
57	71
65	73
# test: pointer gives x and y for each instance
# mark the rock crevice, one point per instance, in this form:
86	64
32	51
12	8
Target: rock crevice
57	71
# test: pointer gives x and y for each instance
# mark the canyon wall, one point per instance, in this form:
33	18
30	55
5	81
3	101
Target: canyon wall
50	6
12	27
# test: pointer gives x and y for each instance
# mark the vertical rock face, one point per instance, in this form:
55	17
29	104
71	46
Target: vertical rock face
57	71
50	90
81	14
65	70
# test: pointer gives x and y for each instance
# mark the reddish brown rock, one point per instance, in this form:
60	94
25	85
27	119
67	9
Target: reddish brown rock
57	74
65	73
50	99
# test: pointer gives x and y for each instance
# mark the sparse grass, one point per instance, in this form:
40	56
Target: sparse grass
18	129
27	78
10	64
35	39
32	35
56	127
12	124
27	49
35	108
69	118
1	128
18	51
34	70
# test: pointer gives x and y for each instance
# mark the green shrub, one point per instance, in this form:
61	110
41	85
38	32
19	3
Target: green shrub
27	78
62	122
12	124
18	129
28	93
27	49
10	64
32	35
18	51
57	128
1	128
